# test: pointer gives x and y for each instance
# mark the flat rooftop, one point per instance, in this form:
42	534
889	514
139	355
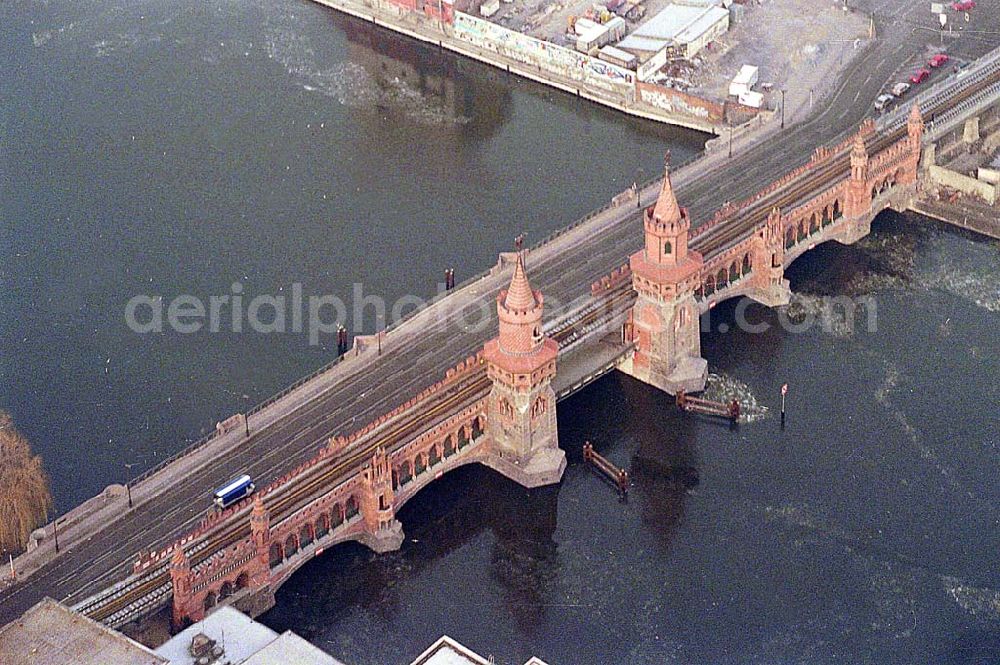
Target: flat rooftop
447	651
238	635
674	23
51	633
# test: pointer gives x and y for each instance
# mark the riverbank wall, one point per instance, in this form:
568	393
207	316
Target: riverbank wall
550	64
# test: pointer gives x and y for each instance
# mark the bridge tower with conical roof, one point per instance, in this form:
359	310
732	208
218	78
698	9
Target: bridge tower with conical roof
665	323
521	412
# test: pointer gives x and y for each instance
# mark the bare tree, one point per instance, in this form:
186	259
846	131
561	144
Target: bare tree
25	498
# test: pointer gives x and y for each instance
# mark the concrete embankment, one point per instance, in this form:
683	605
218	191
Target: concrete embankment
699	114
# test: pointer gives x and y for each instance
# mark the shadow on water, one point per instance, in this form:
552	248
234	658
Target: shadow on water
476	98
455	512
641	430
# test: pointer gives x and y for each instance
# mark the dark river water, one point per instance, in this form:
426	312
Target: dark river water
177	148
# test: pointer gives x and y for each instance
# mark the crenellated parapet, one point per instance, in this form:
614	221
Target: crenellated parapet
620	275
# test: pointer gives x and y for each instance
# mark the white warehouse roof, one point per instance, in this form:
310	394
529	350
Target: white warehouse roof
675	23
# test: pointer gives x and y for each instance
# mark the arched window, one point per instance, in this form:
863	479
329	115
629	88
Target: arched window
667	248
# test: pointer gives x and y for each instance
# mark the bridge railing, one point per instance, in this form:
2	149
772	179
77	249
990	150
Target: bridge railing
194	446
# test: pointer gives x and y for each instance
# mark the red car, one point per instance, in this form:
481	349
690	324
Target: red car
963	5
920	75
938	60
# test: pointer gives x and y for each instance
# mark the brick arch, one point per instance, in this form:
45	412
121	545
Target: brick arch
337	515
242	581
276	554
709	284
291	545
351	507
211	600
305	535
226	590
450	445
321	526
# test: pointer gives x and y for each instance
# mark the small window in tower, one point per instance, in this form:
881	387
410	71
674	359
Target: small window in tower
666	247
536	333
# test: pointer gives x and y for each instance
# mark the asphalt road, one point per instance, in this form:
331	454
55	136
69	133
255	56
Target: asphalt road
417	353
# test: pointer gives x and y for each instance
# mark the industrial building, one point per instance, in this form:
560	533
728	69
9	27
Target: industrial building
678	31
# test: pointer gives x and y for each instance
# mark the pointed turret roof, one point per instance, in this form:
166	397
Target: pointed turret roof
666	209
859	150
179	559
259	511
519	296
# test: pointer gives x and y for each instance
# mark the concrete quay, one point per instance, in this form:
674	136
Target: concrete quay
436	33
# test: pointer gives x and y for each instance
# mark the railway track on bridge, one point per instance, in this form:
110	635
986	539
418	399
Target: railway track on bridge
132	598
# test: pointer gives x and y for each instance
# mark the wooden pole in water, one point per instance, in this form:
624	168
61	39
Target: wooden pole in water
784	391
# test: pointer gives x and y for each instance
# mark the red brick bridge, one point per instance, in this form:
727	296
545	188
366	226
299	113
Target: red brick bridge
498	407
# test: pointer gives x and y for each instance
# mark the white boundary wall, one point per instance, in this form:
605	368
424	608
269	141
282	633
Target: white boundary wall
544	55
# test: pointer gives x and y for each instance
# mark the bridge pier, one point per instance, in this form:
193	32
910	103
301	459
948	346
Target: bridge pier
382	532
970	131
668	346
386	538
768	284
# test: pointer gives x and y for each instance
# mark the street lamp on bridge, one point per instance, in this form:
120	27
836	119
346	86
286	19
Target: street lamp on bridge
128	481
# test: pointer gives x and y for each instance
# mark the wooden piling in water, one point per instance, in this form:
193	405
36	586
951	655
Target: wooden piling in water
617	476
708	407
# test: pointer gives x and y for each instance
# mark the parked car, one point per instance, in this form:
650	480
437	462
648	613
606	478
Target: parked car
920	75
938	60
900	88
882	102
963	5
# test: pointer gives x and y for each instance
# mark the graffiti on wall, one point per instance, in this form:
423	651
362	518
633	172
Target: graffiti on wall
544	55
675	101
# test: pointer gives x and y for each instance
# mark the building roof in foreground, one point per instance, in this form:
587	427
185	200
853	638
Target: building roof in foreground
238	635
289	648
447	651
50	633
242	641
